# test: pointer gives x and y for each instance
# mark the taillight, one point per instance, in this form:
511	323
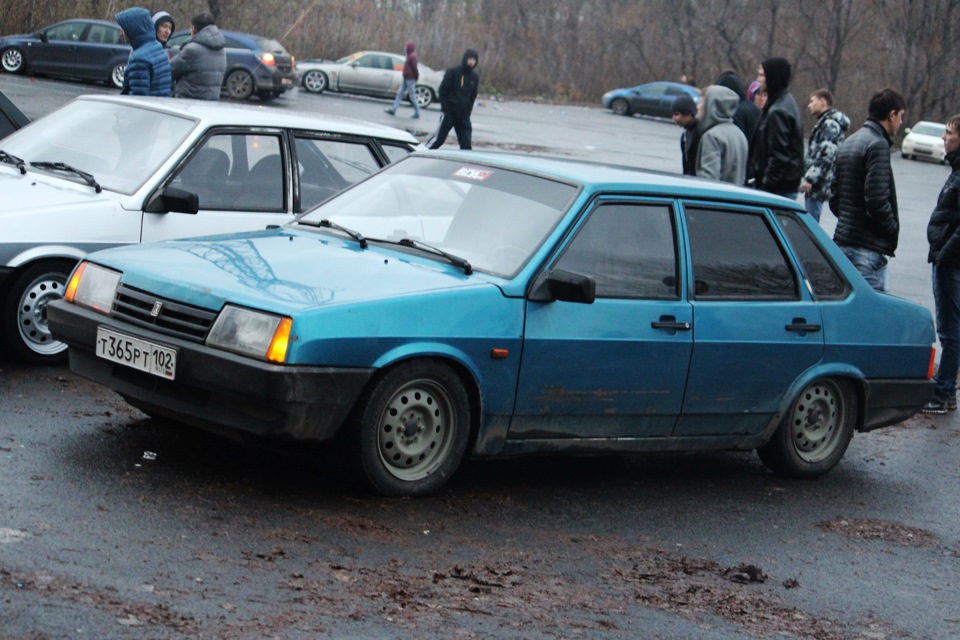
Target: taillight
268	59
933	357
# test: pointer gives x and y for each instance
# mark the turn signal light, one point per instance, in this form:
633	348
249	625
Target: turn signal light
277	351
74	282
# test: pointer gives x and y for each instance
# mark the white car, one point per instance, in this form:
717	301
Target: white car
112	170
924	140
373	73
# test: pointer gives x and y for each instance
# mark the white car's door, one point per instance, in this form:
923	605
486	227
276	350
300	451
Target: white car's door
370	73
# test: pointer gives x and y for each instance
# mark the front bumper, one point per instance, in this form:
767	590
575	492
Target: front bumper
216	390
892	401
268	80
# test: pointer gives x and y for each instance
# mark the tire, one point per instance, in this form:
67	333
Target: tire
116	75
315	81
25	312
816	432
620	107
11	59
239	85
424	96
413	426
267	96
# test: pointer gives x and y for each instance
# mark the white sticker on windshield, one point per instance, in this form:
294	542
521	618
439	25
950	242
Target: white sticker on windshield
473	174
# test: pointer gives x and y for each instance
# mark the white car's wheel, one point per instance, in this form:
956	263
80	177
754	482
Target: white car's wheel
12	60
424	96
25	312
315	81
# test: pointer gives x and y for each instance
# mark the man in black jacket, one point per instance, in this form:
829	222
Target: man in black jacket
943	234
458	92
864	194
777	150
685	115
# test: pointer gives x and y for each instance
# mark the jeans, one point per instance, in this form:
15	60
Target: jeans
871	265
946	297
408	87
815	207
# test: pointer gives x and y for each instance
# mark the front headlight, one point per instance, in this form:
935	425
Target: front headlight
93	286
251	333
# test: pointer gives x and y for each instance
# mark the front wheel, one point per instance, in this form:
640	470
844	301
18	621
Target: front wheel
116	75
315	81
239	85
414	424
816	433
424	96
12	60
620	107
25	313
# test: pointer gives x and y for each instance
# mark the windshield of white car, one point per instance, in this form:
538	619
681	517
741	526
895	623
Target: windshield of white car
493	219
122	145
927	129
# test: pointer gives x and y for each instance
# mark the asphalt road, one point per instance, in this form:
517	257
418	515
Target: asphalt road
114	525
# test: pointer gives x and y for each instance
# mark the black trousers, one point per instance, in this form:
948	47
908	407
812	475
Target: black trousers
460	124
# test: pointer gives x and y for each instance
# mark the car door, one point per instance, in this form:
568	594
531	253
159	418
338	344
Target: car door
242	180
370	73
646	99
326	165
615	368
100	47
57	51
756	326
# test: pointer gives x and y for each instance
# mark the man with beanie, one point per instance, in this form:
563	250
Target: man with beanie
777	150
864	193
199	67
408	84
723	147
163	24
747	115
148	68
458	93
685	115
943	234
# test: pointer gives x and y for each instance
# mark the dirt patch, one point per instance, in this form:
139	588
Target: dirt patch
871	529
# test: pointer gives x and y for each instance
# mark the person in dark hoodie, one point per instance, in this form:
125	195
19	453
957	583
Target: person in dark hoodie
777	150
199	66
148	68
747	115
408	84
458	93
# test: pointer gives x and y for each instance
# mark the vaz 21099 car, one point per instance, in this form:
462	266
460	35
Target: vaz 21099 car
484	304
111	170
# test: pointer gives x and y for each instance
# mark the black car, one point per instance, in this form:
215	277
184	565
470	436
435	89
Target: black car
82	49
255	64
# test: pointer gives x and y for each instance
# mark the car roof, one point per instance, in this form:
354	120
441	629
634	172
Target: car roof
612	178
216	113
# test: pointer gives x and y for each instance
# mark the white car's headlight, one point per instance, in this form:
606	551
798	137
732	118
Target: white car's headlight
93	286
251	333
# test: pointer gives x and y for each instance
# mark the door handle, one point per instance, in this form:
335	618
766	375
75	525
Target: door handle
800	325
670	323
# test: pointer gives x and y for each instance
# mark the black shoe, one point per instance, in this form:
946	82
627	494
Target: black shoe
938	405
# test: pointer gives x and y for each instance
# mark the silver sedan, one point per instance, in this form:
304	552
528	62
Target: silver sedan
373	73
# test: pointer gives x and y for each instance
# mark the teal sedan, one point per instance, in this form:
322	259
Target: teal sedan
484	304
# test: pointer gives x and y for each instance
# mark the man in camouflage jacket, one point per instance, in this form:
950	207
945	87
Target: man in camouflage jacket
827	134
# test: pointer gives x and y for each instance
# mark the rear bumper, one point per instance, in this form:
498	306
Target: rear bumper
272	80
213	389
892	401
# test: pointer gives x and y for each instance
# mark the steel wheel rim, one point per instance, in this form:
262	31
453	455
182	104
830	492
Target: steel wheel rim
240	85
117	75
817	420
423	96
32	315
416	430
12	60
314	81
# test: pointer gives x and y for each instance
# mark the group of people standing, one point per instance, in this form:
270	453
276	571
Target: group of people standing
854	174
194	70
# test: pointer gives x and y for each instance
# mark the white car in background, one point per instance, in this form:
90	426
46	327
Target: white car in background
372	73
924	140
105	171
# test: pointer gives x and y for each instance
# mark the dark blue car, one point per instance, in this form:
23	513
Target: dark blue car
82	49
255	64
651	99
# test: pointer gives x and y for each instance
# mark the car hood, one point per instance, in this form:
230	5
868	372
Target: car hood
279	270
37	207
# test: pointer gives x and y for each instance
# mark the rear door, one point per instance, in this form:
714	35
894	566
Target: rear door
99	49
617	367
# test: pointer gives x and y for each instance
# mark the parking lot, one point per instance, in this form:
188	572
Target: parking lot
115	525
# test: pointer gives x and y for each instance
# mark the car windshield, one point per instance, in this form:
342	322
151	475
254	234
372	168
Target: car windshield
929	129
120	145
492	217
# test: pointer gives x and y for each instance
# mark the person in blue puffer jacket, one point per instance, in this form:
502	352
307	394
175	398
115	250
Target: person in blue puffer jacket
148	69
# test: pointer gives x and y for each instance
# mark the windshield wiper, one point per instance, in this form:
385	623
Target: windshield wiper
456	261
14	160
333	225
61	166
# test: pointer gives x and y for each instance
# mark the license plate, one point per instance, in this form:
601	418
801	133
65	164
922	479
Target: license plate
136	353
284	82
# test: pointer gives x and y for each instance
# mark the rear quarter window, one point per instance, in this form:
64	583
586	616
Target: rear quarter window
822	274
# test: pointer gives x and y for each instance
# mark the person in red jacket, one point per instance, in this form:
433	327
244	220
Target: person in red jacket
408	85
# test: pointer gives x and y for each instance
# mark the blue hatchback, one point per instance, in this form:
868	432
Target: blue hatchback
492	304
651	99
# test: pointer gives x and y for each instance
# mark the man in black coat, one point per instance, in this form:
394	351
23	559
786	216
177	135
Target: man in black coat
684	113
864	194
777	148
458	93
943	234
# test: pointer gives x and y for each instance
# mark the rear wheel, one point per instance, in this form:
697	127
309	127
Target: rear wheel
414	424
116	75
239	85
816	432
315	81
424	96
25	312
12	60
620	107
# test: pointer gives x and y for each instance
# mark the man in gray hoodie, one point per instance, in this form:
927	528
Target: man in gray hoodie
199	66
723	147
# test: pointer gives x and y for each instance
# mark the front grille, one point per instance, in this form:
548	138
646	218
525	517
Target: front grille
174	318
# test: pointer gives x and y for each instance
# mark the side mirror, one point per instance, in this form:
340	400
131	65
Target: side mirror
173	200
566	286
43	36
907	130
